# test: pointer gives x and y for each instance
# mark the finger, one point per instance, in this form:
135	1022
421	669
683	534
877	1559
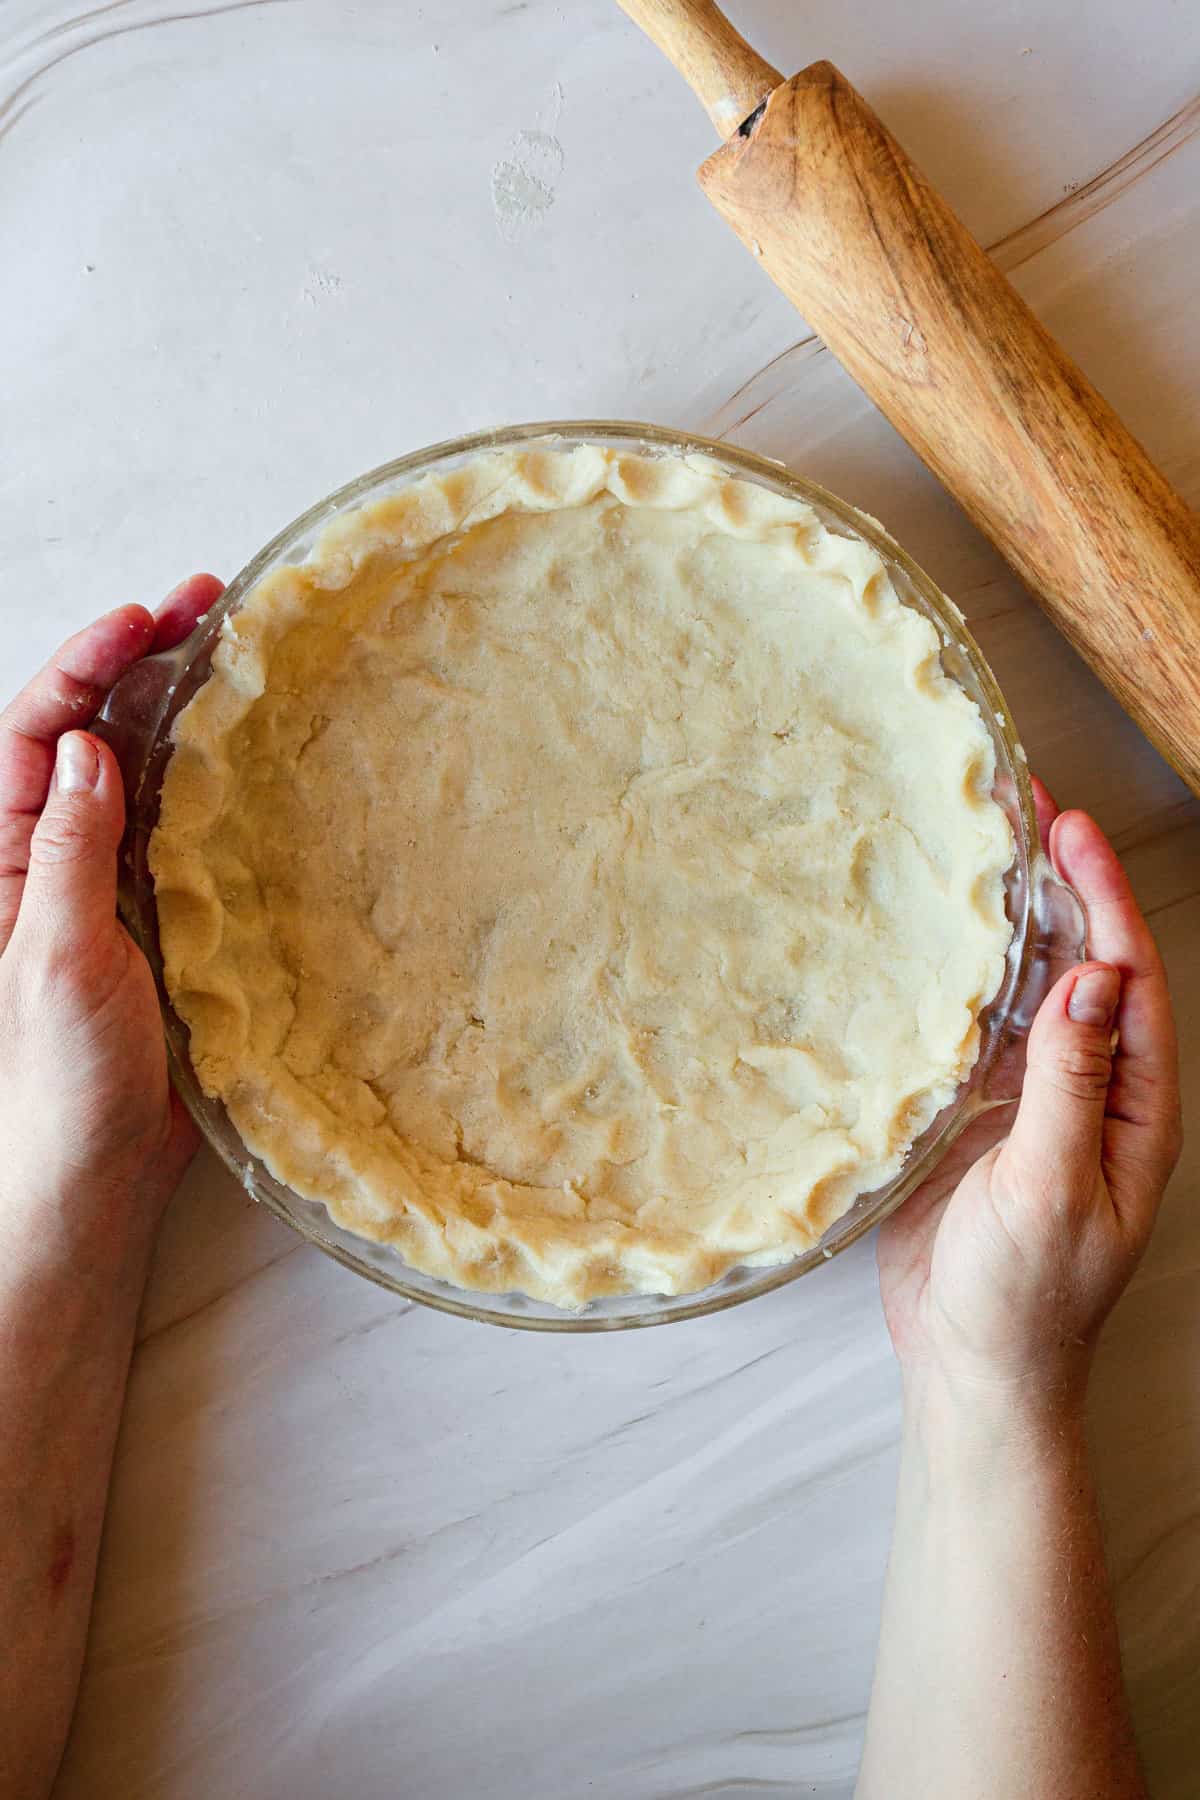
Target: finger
71	888
1145	1085
183	607
64	695
1046	807
1056	1135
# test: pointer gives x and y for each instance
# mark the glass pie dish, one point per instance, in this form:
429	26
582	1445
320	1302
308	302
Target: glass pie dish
1047	918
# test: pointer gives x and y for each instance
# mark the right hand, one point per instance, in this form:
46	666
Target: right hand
999	1287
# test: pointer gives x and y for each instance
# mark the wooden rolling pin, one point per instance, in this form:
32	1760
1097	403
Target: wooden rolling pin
930	329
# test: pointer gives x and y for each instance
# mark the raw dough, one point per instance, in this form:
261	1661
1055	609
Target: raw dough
581	875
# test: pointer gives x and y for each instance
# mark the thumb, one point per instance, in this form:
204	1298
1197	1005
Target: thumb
71	887
1057	1130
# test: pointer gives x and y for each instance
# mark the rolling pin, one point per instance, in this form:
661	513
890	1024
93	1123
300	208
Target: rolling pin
929	328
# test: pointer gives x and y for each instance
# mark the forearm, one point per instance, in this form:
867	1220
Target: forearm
68	1306
998	1670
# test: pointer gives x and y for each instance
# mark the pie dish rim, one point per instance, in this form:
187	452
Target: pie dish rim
1047	917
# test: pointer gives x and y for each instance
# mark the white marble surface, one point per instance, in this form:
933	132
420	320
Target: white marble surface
252	248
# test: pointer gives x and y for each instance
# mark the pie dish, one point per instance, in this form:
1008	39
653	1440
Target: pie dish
593	871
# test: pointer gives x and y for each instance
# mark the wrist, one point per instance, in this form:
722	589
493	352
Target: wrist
84	1224
70	1296
986	1426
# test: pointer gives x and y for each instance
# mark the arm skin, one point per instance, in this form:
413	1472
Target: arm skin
92	1142
64	1356
998	1675
998	1672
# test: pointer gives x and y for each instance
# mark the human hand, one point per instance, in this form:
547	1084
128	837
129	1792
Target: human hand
998	1286
90	1131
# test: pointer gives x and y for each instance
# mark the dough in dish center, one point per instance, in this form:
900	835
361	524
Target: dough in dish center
581	874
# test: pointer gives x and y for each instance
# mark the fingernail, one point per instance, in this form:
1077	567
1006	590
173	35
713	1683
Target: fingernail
76	765
1094	997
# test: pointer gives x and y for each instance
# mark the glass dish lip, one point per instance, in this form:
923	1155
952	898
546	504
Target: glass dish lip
646	1310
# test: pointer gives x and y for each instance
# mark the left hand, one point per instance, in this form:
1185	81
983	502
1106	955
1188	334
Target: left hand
89	1127
995	1285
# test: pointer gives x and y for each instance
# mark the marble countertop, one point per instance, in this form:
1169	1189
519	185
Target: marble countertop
354	1547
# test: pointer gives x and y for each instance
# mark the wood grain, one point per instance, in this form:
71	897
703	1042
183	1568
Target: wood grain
945	347
729	77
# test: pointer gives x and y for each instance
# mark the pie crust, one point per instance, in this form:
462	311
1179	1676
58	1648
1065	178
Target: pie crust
581	875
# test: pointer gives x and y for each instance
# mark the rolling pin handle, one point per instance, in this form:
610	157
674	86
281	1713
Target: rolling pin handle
729	78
